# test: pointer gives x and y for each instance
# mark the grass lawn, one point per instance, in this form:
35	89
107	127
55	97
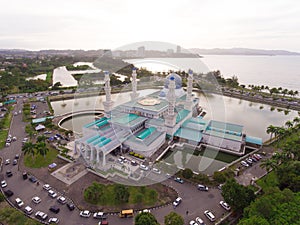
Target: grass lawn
39	161
5	129
268	181
137	195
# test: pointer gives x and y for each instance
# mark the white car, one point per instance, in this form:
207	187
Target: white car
52	194
36	200
210	215
53	220
3	184
7	161
243	163
225	205
41	215
28	210
199	221
177	202
62	200
47	187
192	222
85	213
19	202
155	170
143	167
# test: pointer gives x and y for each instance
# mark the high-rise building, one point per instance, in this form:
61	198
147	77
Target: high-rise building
178	49
141	51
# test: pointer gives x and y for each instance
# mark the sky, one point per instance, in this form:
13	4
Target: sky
98	24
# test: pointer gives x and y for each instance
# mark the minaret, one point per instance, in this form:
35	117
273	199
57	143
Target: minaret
108	102
134	93
170	118
188	103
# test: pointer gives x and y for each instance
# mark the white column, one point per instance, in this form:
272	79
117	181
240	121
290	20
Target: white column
108	102
104	160
188	103
134	93
97	158
85	152
92	154
171	96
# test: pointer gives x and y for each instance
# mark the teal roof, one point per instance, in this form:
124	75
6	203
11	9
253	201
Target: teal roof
97	141
156	108
127	118
9	102
106	141
102	123
93	138
181	115
217	125
189	134
41	120
95	122
254	140
223	134
145	133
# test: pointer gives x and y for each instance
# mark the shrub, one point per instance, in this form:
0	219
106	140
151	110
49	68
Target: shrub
187	173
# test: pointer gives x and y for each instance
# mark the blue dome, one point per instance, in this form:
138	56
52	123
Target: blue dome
176	77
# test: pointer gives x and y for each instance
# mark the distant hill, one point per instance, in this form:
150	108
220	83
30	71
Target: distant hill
240	51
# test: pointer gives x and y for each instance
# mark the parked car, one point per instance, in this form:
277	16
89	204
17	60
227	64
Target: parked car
17	156
249	161
202	187
99	215
53	220
155	170
41	215
52	194
62	200
19	202
36	200
8	193
133	163
143	167
28	210
15	162
9	173
3	184
177	202
85	213
179	180
103	222
199	221
243	163
32	179
70	206
225	205
25	176
47	187
55	209
193	222
210	215
7	161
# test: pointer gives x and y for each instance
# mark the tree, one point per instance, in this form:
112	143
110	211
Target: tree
236	195
41	148
41	138
289	176
145	218
269	164
173	219
187	173
121	193
271	130
29	149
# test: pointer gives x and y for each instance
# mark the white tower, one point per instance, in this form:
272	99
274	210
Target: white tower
108	102
134	93
188	103
170	118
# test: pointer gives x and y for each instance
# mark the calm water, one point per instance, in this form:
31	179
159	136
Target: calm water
255	117
274	71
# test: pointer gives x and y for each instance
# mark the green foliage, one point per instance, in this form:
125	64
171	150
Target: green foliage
38	160
187	173
4	127
2	197
275	207
117	194
121	193
78	67
289	176
236	195
221	176
145	219
11	216
174	219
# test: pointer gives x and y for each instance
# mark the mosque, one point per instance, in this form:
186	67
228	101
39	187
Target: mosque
144	124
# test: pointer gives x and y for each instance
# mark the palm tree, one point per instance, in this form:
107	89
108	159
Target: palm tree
29	148
42	149
271	130
289	124
269	164
296	120
41	138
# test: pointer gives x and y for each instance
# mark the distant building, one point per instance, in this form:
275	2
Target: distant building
141	51
107	53
170	51
178	50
